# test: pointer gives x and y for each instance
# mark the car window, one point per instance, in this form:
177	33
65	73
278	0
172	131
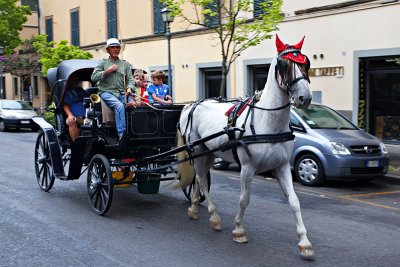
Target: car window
295	123
320	117
15	105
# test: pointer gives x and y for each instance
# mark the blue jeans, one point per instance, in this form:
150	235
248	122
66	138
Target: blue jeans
116	104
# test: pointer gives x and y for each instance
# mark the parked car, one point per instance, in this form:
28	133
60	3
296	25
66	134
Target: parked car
16	114
330	147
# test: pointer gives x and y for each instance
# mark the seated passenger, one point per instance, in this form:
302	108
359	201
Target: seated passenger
140	95
158	91
74	109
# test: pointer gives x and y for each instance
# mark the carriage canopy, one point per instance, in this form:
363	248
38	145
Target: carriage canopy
60	78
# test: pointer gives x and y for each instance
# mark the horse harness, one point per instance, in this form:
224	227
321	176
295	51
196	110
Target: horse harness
237	140
241	104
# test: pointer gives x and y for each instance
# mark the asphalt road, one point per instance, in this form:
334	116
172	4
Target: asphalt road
349	224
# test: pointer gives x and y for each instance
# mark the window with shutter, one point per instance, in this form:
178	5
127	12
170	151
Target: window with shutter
75	28
159	25
32	4
49	29
258	11
212	21
112	29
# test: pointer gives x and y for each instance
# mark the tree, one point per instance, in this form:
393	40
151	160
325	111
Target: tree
12	18
52	53
24	63
230	22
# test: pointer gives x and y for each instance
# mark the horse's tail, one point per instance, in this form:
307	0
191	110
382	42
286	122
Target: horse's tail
185	173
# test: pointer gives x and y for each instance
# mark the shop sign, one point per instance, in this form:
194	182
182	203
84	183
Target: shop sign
326	71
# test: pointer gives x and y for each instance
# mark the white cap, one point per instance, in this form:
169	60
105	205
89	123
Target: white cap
112	42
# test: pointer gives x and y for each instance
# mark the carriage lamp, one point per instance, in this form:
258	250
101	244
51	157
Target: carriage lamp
167	18
1	74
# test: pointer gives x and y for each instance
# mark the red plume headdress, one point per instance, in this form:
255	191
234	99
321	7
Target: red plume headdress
291	52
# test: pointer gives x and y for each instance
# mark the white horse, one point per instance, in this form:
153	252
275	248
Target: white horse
287	84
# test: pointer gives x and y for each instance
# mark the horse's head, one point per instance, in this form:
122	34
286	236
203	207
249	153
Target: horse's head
292	67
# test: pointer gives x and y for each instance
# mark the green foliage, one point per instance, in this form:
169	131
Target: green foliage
11	22
24	63
52	53
49	115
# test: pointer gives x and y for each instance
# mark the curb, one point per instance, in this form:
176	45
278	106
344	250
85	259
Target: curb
390	179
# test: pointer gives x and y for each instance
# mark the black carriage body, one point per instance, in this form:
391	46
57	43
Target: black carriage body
153	126
150	129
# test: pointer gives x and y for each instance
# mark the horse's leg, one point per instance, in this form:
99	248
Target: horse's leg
202	166
193	210
284	177
246	178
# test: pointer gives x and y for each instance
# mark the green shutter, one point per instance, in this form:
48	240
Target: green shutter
49	29
75	28
112	29
32	4
211	21
258	11
159	25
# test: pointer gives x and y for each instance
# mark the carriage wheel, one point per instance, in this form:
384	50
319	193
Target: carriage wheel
188	190
43	165
100	184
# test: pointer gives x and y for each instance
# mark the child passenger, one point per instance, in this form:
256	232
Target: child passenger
140	95
159	91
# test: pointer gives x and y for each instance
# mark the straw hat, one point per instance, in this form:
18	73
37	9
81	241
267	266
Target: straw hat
113	42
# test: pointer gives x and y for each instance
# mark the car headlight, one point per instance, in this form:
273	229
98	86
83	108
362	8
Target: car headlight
383	148
338	148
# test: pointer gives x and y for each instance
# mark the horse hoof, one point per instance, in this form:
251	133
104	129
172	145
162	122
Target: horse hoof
216	225
194	215
240	239
306	253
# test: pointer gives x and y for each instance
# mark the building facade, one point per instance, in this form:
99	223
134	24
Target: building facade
14	87
352	45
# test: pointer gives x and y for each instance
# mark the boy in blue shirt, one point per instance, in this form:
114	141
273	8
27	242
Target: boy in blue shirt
158	91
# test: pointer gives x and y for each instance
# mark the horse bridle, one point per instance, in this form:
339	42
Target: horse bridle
281	68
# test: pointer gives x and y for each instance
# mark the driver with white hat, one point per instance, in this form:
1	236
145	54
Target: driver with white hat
113	76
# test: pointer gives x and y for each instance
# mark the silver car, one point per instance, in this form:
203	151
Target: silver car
16	114
329	147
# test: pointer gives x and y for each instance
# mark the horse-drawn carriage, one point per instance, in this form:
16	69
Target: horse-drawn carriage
141	159
260	140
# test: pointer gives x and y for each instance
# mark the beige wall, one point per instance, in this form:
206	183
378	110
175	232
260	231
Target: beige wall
336	36
334	33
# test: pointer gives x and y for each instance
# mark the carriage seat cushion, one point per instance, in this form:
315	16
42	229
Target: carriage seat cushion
108	116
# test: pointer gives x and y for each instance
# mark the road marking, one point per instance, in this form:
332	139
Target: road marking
353	197
330	195
371	203
372	194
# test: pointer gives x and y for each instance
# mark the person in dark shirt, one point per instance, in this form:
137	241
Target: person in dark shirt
74	109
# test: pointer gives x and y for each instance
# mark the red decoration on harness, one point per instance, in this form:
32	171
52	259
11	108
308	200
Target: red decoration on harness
241	109
293	56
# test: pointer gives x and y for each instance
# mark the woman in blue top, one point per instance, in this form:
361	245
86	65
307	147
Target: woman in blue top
158	91
74	109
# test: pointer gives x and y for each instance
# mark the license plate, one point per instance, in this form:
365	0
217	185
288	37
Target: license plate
373	163
25	122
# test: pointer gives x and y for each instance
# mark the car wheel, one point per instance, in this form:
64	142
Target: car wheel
3	128
221	165
309	171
